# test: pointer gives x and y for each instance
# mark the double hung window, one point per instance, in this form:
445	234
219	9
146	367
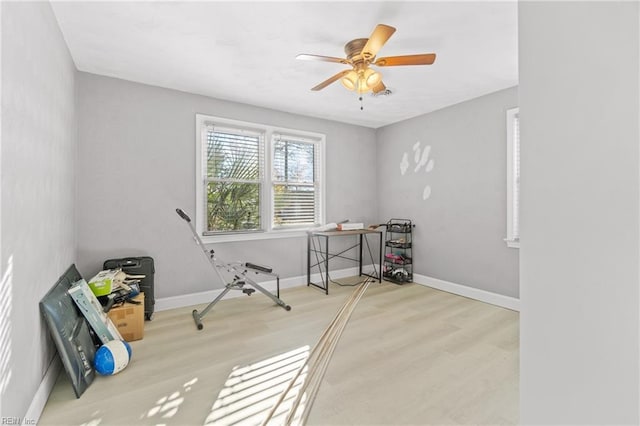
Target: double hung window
295	187
256	181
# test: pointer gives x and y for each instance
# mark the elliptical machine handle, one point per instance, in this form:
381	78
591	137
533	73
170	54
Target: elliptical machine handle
183	215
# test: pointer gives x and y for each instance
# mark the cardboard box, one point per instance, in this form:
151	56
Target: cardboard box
129	319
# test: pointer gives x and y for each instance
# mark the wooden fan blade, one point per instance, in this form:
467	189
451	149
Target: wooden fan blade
330	80
378	38
392	61
379	87
306	57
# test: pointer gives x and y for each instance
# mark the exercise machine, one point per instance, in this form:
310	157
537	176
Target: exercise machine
240	272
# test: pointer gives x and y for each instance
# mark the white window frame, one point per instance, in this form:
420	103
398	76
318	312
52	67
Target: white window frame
513	186
266	195
318	178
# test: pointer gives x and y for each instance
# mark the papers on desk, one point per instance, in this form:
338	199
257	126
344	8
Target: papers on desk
342	226
350	226
322	228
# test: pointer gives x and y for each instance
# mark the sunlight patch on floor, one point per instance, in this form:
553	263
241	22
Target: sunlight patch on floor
251	391
6	303
95	421
167	406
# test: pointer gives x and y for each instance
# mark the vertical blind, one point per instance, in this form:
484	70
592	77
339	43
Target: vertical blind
295	182
516	176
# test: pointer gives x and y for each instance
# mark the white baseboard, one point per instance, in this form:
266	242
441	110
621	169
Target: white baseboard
165	303
45	388
470	292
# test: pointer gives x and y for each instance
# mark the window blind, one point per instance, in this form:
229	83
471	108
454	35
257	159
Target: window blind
234	154
234	173
295	188
516	177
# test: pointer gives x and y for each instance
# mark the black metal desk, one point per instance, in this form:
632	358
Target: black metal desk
321	256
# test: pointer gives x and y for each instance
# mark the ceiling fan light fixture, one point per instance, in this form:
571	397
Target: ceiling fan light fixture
362	85
367	79
361	53
372	78
350	80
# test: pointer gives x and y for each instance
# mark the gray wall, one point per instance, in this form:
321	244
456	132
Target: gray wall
137	164
460	227
39	155
579	67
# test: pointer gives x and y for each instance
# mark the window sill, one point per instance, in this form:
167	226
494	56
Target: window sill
512	243
253	236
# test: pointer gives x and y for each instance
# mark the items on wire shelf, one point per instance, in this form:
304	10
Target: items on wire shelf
398	257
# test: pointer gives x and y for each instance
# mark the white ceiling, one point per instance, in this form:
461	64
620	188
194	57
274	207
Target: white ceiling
245	51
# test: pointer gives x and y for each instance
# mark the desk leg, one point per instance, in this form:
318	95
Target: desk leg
308	259
380	270
326	266
360	257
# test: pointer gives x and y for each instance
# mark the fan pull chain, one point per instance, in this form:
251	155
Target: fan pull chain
361	106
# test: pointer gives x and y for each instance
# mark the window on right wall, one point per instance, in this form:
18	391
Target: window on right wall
513	178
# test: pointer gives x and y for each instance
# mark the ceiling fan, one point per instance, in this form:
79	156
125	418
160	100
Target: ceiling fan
361	53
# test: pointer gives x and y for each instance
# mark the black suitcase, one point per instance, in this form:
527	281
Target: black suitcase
138	266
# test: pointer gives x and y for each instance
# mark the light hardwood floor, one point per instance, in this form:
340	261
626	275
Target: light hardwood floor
409	355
